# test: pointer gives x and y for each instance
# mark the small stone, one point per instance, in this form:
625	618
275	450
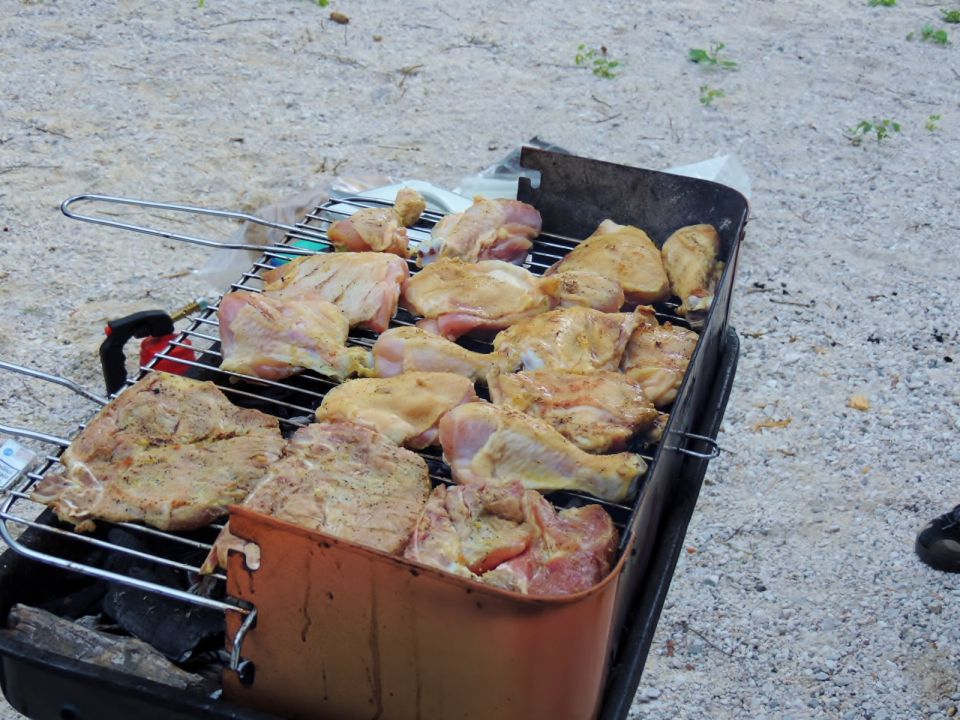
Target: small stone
711	580
821	676
651	693
935	608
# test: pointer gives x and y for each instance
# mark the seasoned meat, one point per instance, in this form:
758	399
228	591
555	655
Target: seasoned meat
458	297
514	539
657	357
487	230
170	451
273	337
405	408
625	254
597	412
342	479
484	443
690	257
583	288
577	339
408	349
380	229
364	285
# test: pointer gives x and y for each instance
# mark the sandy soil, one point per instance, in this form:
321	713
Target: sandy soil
799	595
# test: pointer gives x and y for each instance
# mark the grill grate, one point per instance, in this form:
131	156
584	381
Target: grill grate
293	400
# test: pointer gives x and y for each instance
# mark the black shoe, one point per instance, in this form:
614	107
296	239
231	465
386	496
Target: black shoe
938	544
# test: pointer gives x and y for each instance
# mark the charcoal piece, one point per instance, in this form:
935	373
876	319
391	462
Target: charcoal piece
176	629
44	630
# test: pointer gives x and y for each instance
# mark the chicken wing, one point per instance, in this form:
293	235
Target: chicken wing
514	539
577	339
342	479
274	337
408	349
484	443
364	285
487	230
623	253
598	412
657	357
460	297
380	229
690	257
405	408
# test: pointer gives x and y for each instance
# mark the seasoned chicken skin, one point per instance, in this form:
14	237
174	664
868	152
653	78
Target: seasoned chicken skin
169	451
342	479
487	230
405	408
597	412
514	539
273	337
364	285
657	357
409	349
460	297
583	288
381	229
484	443
577	339
690	257
623	253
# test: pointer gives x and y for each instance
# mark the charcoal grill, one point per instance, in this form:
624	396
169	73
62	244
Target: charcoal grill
573	195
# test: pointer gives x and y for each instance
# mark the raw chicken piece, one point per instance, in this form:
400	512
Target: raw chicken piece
381	229
460	297
408	349
514	539
583	288
484	443
690	259
487	230
625	254
405	408
364	285
657	357
342	479
169	451
598	412
274	337
577	339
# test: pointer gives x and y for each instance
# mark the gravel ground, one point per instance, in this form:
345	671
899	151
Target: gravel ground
799	595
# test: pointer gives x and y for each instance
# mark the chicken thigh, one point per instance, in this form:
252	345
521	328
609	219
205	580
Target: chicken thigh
274	337
379	229
577	339
459	297
364	285
514	539
657	357
597	412
487	230
625	254
484	443
405	408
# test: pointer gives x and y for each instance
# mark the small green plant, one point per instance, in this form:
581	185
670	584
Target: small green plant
880	128
930	34
882	3
933	123
599	61
709	94
951	16
711	58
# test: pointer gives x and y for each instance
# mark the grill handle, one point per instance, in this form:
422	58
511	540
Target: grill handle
153	323
55	379
297	232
